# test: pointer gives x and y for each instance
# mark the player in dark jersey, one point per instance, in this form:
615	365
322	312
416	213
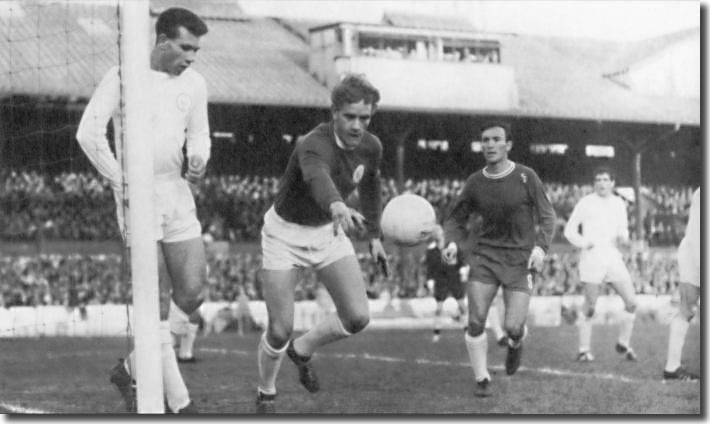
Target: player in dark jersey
511	202
307	227
446	278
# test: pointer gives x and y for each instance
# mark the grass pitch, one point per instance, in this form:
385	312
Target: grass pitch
375	372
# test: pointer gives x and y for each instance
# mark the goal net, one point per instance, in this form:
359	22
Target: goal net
65	272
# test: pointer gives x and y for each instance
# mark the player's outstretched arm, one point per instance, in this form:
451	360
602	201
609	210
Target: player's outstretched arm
455	223
379	256
546	216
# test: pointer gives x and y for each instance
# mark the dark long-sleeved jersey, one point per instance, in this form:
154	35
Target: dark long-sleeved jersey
440	271
510	206
319	172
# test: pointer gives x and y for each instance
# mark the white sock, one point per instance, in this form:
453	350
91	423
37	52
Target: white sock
676	339
173	384
477	348
626	327
494	323
187	341
585	334
179	320
328	330
269	361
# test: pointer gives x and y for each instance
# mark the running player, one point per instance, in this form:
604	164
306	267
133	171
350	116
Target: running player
689	288
178	111
446	278
511	202
604	227
308	226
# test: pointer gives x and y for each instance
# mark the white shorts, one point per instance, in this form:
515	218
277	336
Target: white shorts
286	245
688	270
175	213
603	264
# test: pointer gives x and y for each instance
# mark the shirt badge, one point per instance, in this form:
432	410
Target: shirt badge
357	174
183	102
524	178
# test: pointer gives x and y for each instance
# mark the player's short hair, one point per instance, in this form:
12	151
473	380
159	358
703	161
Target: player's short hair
604	170
354	88
500	124
173	18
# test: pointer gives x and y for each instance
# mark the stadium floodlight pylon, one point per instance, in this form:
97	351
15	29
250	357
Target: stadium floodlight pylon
135	72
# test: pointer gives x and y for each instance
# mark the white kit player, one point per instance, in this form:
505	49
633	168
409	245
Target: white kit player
603	220
689	288
178	115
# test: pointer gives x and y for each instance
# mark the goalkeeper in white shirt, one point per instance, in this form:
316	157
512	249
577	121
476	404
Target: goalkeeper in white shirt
599	226
178	116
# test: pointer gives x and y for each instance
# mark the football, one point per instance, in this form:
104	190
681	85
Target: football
408	220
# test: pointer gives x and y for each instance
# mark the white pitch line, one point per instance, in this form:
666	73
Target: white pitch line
424	361
16	409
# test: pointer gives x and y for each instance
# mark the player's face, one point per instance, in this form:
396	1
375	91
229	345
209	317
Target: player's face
603	184
495	145
178	53
351	121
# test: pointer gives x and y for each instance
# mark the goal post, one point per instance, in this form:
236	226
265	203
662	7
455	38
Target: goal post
135	73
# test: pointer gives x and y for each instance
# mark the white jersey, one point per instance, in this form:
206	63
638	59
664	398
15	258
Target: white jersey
178	113
689	248
604	220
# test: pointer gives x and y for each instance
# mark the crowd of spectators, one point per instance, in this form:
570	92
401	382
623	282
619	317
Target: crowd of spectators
56	279
80	206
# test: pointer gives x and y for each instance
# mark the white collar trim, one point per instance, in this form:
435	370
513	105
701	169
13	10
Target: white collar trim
501	174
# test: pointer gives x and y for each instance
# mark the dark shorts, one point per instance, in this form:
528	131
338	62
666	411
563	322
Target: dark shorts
511	277
443	288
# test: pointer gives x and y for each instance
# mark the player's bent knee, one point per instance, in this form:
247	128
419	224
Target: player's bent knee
631	308
278	335
356	323
475	328
514	331
686	311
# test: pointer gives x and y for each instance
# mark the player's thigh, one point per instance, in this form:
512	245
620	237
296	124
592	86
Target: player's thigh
480	296
622	283
186	263
592	266
517	304
591	294
277	289
689	296
346	286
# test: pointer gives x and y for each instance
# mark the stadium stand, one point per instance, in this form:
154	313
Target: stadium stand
78	206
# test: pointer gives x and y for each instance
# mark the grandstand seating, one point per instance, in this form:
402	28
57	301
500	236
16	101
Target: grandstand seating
79	206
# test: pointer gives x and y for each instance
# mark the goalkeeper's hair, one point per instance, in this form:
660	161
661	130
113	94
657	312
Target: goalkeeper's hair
173	18
599	170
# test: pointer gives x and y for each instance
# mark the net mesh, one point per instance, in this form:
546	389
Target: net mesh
61	246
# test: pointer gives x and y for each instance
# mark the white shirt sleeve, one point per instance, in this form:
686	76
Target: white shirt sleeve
571	231
91	134
198	129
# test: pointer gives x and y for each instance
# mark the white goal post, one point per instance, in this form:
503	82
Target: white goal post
135	72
